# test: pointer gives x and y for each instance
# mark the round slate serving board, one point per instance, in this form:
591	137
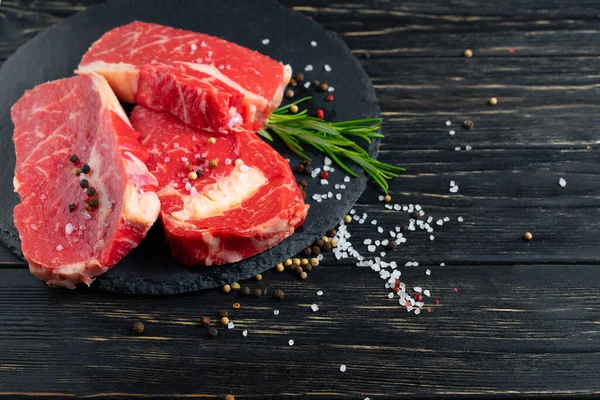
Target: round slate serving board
56	52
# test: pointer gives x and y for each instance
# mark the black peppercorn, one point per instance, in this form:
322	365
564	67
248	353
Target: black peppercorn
84	183
326	246
308	267
300	168
138	327
71	207
224	313
315	83
90	191
316	250
257	293
391	245
278	294
299	269
319	243
214	332
331	233
308	170
303	183
323	87
304	195
299	77
415	215
85	169
93	202
73	158
403	228
293	82
468	124
306	251
246	291
205	321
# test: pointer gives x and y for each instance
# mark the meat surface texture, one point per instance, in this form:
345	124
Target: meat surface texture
67	235
207	82
223	197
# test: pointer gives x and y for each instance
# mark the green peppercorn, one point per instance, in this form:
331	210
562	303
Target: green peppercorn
278	294
73	158
235	286
91	191
93	202
214	332
76	171
84	183
71	207
85	169
138	327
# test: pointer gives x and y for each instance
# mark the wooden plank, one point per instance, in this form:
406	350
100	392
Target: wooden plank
513	329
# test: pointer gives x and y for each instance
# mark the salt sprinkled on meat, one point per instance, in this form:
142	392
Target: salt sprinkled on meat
194	47
266	41
59	247
86	215
34	226
69	228
228	161
203	44
167	159
175	145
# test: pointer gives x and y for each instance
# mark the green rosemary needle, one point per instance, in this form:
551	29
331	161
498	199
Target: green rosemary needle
336	139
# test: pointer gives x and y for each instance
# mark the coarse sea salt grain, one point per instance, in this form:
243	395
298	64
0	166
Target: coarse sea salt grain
230	325
308	68
69	228
327	67
59	247
331	89
468	148
457	148
451	132
245	333
460	219
266	41
320	293
454	189
313	43
291	342
442	264
431	237
427	272
338	196
426	292
314	307
306	85
347	179
562	182
275	312
342	368
448	123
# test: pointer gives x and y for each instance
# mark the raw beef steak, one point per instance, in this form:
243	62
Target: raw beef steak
71	232
207	82
240	199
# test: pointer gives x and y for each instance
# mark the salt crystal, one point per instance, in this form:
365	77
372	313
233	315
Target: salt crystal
374	222
417	311
367	241
418	289
327	161
324	182
343	368
454	189
452	183
228	161
380	229
347	179
460	219
439	222
330	89
327	67
86	215
245	333
203	44
451	132
448	123
562	182
371	248
275	312
313	43
266	41
314	307
59	247
442	264
457	148
230	325
329	195
320	293
431	237
377	243
34	226
69	228
427	272
194	47
426	292
353	211
397	207
291	342
468	148
390	295
446	219
307	85
338	196
381	198
308	68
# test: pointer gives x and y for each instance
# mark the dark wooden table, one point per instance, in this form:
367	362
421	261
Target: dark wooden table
525	319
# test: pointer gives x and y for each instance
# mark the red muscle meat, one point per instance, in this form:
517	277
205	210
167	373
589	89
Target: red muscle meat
205	81
70	234
223	198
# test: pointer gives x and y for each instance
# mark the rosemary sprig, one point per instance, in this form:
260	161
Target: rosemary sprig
336	139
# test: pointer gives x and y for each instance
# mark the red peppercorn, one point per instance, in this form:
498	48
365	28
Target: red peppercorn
430	310
329	97
87	198
324	174
437	301
396	290
397	282
320	113
455	289
418	297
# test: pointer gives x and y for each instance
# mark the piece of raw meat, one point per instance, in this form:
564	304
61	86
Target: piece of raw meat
224	198
70	234
205	81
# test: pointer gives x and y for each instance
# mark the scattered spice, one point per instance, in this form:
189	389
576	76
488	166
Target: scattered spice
303	275
320	114
527	236
279	267
72	207
415	215
387	198
319	243
76	171
235	286
329	97
308	170
324	174
468	53
418	297
223	313
468	124
325	239
236	305
293	109
224	321
333	243
347	219
323	87
304	262
213	163
205	321
84	183
365	55
306	251
303	183
258	277
314	261
278	294
246	291
331	233
257	293
91	191
403	228
493	101
299	77
214	332
327	246
226	288
296	262
315	83
73	158
298	269
289	93
392	245
193	176
85	169
93	203
308	267
316	250
293	82
138	327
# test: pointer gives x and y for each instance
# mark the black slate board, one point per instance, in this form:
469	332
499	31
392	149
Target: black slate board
55	53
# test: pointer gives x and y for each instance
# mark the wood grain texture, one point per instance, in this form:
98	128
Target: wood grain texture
524	321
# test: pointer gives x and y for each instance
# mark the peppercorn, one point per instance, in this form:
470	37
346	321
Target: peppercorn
391	245
306	251
315	83
300	168
308	267
73	158
316	250
320	113
84	183
329	97
85	169
325	239
76	171
304	262
418	297
212	140
235	286
298	269
323	87
93	202
314	261
71	207
278	294
319	242
347	219
324	174
224	321
415	215
199	172
303	275
205	321
299	77
527	236
138	327
192	176
289	93
258	277
287	263
214	332
226	288
308	170
213	163
468	53
365	56
493	101
293	82
333	243
257	293
293	109
327	246
223	313
229	397
246	291
303	184
91	191
387	198
331	233
468	124
279	268
403	228
296	262
236	305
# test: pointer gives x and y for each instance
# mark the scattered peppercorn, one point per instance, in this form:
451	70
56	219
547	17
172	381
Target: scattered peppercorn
527	236
299	77
347	219
493	101
84	183
331	233
327	246
365	55
91	191
314	261
329	97
235	286
468	53
72	207
325	239
246	291
415	215
73	158
392	245
300	168
308	267
214	332
279	268
316	250
308	170
320	113
315	83
333	243
76	171
324	174
418	297
223	313
278	294
303	183
85	169
288	263
323	87
213	163
293	82
258	277
192	176
212	140
224	321
306	251
226	288
205	321
296	262
229	397
138	327
387	198
468	124
236	305
403	228
199	172
293	109
289	93
93	202
430	310
303	262
257	293
303	275
298	269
